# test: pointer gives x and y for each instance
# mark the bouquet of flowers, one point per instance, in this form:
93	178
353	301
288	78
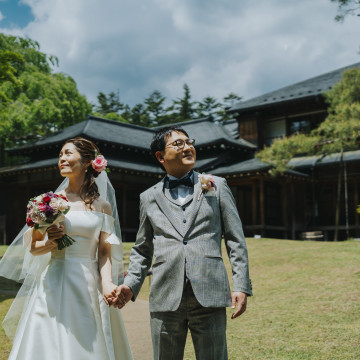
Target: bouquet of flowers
48	209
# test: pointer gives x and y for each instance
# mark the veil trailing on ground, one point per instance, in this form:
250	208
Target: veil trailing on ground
20	265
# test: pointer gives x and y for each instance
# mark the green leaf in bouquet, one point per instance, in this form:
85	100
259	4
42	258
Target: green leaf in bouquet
65	241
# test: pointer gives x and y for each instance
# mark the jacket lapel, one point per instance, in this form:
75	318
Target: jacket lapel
164	205
197	200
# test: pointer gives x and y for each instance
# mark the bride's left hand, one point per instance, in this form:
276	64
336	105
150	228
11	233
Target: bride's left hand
108	289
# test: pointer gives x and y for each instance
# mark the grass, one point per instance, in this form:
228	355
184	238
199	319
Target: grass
305	306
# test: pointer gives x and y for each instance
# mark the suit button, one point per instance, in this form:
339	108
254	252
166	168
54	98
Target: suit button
185	242
184	221
183	208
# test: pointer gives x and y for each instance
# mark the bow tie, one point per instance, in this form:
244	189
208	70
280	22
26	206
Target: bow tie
186	180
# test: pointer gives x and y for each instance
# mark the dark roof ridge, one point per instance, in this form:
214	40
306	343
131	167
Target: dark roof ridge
278	95
115	122
186	122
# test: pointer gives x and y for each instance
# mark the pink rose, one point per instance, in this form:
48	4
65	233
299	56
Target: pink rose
99	164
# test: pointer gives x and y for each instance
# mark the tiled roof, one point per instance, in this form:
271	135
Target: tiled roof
113	164
309	161
308	88
205	131
96	128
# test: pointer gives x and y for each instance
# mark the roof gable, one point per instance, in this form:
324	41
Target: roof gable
207	132
99	129
307	88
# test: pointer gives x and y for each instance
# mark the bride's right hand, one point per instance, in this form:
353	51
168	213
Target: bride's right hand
55	233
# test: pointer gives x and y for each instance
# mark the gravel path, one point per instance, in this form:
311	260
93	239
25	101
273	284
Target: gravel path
136	317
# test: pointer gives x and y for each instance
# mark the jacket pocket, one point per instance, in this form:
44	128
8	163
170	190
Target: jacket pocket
213	256
158	261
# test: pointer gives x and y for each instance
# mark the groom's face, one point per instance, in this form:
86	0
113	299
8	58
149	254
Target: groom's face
177	161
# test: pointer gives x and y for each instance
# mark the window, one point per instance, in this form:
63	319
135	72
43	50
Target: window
273	130
300	126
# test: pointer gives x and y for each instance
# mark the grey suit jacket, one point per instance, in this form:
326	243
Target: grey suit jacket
185	240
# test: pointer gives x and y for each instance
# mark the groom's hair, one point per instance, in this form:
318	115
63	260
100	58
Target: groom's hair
160	137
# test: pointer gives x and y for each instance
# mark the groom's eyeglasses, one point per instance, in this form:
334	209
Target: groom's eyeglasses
180	143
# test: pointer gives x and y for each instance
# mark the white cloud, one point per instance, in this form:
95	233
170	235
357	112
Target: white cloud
215	46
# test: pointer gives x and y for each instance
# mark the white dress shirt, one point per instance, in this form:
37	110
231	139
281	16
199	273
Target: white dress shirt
182	191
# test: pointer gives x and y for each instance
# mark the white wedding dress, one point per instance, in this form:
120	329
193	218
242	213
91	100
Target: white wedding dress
65	317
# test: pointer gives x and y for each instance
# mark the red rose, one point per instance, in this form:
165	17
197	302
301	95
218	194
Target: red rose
56	195
63	197
42	207
29	222
46	199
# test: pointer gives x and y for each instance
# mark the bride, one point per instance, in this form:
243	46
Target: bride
62	310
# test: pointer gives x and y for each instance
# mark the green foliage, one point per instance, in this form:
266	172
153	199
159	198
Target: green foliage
341	129
155	107
36	101
347	7
339	132
207	107
139	116
283	150
109	103
154	112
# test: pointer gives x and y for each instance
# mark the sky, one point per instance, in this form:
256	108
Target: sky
134	47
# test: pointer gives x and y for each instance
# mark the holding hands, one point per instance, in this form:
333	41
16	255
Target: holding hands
118	296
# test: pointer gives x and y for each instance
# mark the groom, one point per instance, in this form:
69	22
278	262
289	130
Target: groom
181	225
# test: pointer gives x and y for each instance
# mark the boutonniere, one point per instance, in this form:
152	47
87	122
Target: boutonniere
207	183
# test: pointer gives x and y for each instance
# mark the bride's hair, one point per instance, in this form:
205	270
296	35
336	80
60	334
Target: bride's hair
89	191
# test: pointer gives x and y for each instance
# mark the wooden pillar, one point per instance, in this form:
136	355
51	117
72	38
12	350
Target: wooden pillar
356	201
254	203
124	207
292	206
284	194
262	206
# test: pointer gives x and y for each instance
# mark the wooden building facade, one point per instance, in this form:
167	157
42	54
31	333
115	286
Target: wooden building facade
306	197
302	199
126	148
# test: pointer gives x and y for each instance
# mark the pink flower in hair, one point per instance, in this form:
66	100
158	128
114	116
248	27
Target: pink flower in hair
99	164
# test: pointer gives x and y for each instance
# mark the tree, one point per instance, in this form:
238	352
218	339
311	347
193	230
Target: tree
38	101
9	62
109	103
183	107
347	7
339	132
153	111
229	100
139	116
207	107
155	108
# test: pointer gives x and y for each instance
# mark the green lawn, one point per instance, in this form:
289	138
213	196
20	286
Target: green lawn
306	303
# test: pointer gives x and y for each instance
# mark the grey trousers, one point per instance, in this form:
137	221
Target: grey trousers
207	327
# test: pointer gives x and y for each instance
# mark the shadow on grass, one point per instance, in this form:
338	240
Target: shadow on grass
8	288
4	297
